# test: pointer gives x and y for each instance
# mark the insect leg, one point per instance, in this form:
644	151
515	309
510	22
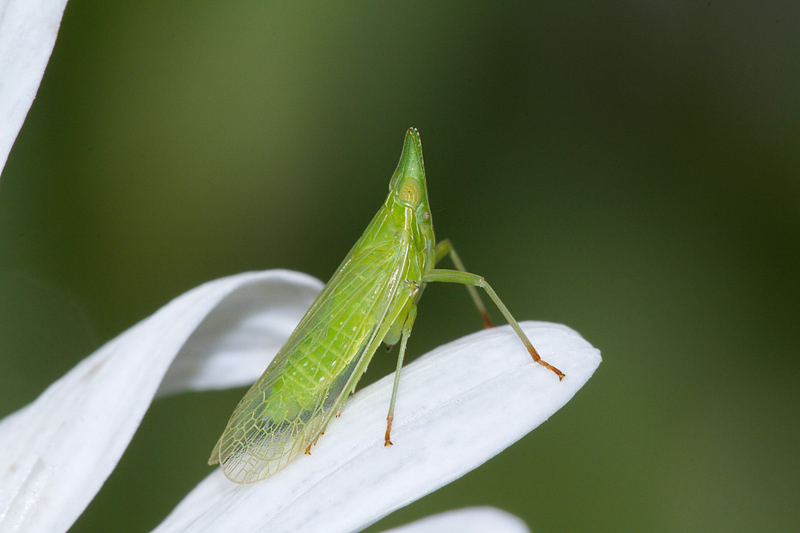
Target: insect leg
445	247
473	280
409	323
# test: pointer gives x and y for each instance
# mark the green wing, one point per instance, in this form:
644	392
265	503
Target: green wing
311	376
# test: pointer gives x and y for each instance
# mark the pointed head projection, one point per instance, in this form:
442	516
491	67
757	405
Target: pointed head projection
408	188
408	180
408	185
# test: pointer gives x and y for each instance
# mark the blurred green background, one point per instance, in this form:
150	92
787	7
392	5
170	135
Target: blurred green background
629	169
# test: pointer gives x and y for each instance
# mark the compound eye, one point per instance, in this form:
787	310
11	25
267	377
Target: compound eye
409	193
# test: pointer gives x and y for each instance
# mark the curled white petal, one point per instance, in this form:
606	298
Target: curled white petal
468	520
28	30
59	450
457	406
232	347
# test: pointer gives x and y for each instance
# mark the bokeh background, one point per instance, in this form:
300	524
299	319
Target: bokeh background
630	169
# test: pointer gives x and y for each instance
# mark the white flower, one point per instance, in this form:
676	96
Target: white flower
457	406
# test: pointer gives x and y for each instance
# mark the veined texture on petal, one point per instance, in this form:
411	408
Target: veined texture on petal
59	450
457	407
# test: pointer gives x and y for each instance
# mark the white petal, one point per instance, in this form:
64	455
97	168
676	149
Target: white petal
234	346
28	30
457	407
59	450
468	520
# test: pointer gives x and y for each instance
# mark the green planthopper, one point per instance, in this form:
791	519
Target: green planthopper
372	298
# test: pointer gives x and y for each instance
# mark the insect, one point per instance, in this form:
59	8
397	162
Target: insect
372	298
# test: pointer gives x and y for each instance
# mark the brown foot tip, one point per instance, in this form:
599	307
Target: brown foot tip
387	436
553	369
537	358
487	322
